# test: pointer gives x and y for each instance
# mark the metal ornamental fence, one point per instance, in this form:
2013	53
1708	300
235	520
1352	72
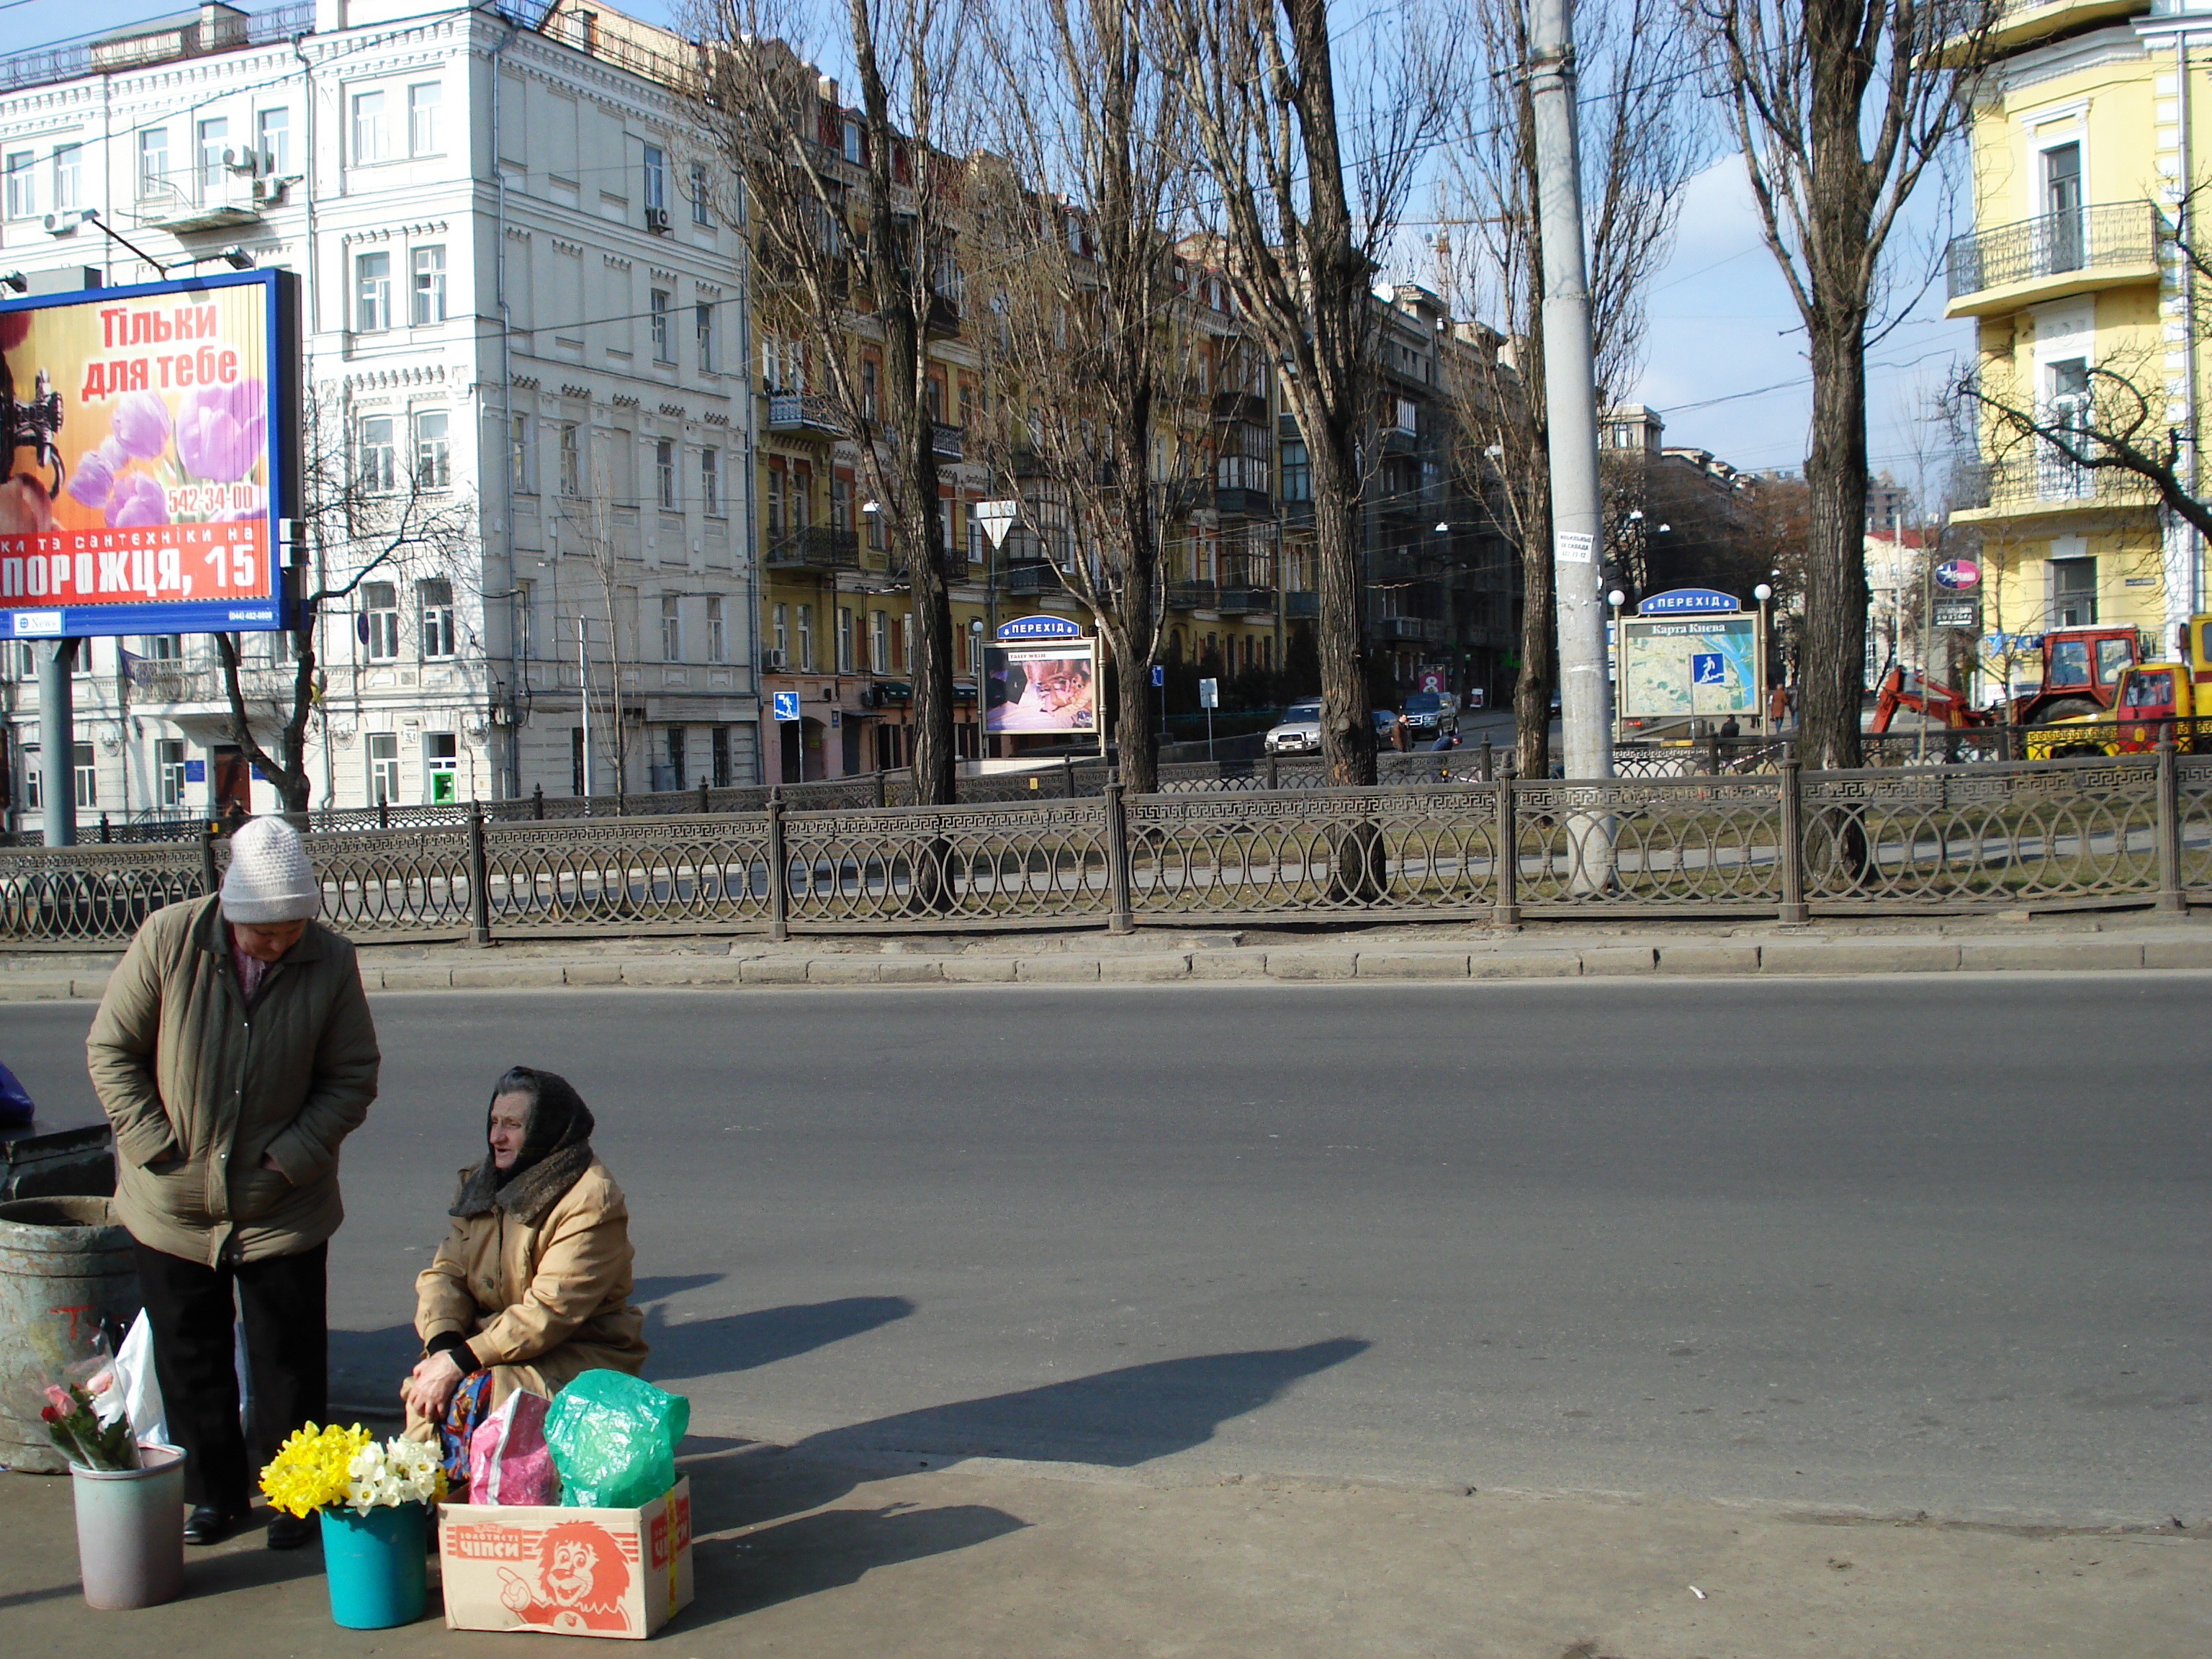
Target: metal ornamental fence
2086	831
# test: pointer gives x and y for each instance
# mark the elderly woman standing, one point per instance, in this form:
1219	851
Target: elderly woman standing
233	1053
532	1286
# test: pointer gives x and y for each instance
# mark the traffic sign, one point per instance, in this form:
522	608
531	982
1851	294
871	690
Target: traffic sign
1955	574
786	704
1708	668
1958	613
997	518
1209	693
1159	676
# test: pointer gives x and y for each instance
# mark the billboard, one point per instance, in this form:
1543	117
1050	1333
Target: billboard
1049	686
153	438
1701	666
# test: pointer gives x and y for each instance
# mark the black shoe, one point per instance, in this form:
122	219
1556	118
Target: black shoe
207	1524
288	1532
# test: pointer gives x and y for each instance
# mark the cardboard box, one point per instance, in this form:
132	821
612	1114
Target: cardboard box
570	1572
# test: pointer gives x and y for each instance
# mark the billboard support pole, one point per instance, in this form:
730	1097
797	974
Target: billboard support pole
57	742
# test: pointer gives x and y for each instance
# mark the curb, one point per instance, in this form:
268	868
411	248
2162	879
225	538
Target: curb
1776	959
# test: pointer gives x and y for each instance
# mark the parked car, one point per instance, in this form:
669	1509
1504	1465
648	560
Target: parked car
1385	718
1299	732
1428	712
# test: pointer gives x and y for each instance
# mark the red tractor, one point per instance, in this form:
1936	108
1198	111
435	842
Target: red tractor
2081	669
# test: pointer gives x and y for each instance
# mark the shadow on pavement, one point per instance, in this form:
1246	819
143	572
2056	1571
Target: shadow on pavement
815	1553
742	1342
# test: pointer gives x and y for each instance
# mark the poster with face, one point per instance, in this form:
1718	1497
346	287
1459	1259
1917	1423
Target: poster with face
146	429
1045	687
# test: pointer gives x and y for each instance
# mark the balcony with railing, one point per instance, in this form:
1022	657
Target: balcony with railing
2046	485
804	414
2002	270
210	28
1031	580
1192	596
816	548
1300	604
948	443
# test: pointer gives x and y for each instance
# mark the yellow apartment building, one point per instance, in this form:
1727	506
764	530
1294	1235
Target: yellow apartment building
2086	137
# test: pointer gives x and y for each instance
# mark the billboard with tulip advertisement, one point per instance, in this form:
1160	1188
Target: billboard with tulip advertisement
153	444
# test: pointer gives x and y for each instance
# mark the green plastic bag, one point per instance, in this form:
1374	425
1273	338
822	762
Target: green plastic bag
613	1437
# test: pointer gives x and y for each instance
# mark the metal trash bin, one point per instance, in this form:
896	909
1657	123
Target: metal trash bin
66	1268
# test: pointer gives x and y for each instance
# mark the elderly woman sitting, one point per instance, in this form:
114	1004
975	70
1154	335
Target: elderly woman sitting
532	1286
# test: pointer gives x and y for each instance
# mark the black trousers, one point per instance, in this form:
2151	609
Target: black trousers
282	1300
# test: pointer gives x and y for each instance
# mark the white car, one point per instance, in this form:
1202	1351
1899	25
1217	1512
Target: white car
1299	734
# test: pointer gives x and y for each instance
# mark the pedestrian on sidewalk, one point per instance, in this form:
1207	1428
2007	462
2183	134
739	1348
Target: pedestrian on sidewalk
233	1053
532	1287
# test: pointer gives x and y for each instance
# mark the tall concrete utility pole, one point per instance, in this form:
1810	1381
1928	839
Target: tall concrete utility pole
57	742
1570	399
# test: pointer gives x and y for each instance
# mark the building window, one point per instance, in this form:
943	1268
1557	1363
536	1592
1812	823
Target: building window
429	286
845	641
699	194
1297	472
434	454
380	461
370	144
423	119
575	760
572	461
2073	592
718	632
86	772
658	306
153	161
664	466
525	620
380	615
703	315
69	177
165	648
710	482
672	628
902	645
807	638
852	143
773	506
871	390
656	180
434	599
841	503
780	625
721	752
214	135
371	285
441	765
878	643
22	184
273	137
169	772
33	775
383	768
676	745
520	471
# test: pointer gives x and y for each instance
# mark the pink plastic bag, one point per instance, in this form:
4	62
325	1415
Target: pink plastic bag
508	1460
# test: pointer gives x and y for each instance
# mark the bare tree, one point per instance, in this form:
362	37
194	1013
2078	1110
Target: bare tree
366	519
1310	170
589	533
1840	107
1643	142
854	217
1088	336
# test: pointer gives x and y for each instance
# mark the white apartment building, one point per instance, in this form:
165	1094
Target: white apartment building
523	316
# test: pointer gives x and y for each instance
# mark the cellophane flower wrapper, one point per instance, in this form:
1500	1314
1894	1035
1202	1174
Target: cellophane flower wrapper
390	1473
83	1415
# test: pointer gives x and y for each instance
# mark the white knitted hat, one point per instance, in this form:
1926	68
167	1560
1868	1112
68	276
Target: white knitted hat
270	878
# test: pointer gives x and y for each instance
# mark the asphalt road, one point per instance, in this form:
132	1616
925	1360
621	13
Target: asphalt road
1907	1244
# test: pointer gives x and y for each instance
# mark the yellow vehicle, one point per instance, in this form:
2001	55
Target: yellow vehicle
2153	702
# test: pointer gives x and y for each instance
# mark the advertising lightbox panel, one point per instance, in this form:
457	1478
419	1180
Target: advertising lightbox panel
153	437
1047	687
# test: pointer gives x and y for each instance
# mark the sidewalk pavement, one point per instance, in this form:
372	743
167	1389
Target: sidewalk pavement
2042	942
986	1558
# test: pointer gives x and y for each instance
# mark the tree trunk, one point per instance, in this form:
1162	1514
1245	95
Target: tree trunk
1347	731
1532	687
1831	653
935	755
1136	740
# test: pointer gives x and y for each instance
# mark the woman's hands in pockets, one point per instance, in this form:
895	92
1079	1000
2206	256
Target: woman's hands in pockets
429	1387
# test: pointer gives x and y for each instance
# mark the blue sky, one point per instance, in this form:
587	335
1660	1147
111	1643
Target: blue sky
1725	363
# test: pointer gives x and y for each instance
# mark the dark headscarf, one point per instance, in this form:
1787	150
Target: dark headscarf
556	1148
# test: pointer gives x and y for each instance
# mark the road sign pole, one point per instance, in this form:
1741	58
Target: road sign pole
57	742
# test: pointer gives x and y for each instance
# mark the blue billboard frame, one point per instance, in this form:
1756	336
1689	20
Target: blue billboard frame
283	354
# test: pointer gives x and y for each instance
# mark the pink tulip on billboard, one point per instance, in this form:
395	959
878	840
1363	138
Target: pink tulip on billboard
220	428
138	500
141	424
93	481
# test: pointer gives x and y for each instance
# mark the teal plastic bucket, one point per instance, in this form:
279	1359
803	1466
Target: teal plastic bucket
374	1565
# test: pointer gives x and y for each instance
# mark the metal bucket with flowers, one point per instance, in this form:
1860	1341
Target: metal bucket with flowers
374	1497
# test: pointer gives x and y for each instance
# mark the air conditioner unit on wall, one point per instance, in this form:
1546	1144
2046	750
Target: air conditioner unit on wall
656	218
771	662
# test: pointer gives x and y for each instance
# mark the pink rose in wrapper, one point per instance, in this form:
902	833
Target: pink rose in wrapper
141	425
137	501
59	1398
219	430
93	481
